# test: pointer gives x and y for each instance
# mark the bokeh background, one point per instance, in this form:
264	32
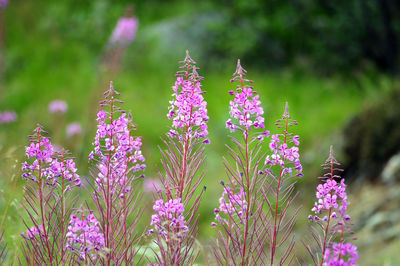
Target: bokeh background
335	62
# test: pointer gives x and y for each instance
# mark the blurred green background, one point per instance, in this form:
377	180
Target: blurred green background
333	61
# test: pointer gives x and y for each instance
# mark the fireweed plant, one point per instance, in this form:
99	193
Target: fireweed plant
175	222
251	219
330	223
254	220
50	176
117	163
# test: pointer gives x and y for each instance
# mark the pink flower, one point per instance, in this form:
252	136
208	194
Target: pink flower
58	106
74	129
151	185
125	31
7	117
84	235
347	251
188	109
233	203
31	233
169	221
3	3
246	108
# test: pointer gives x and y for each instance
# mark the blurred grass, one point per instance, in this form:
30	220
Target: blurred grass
46	61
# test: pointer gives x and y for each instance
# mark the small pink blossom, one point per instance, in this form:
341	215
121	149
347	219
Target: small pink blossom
169	221
74	129
58	106
8	117
125	31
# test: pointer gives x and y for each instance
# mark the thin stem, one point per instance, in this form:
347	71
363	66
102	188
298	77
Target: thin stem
274	237
42	207
124	201
84	239
246	142
62	212
341	240
108	198
186	143
327	225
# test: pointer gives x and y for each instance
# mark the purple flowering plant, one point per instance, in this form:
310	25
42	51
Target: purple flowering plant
254	218
50	176
175	221
330	223
84	236
117	163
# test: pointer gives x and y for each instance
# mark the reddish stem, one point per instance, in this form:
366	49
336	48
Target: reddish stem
186	143
42	207
341	240
247	187
124	202
84	238
108	198
327	225
275	235
62	212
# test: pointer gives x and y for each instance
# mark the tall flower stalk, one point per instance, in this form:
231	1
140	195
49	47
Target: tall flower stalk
182	159
50	176
252	208
117	161
285	160
239	234
330	222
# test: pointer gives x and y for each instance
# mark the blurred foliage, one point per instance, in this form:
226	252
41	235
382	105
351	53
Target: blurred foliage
371	138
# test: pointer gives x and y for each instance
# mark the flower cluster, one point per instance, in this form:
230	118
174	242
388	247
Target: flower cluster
84	235
73	129
332	200
188	109
284	156
341	255
31	233
116	150
331	195
58	106
125	31
231	203
246	107
169	218
41	156
8	117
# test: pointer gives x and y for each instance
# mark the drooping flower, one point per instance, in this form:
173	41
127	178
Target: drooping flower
8	117
58	106
84	235
169	221
73	129
245	110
